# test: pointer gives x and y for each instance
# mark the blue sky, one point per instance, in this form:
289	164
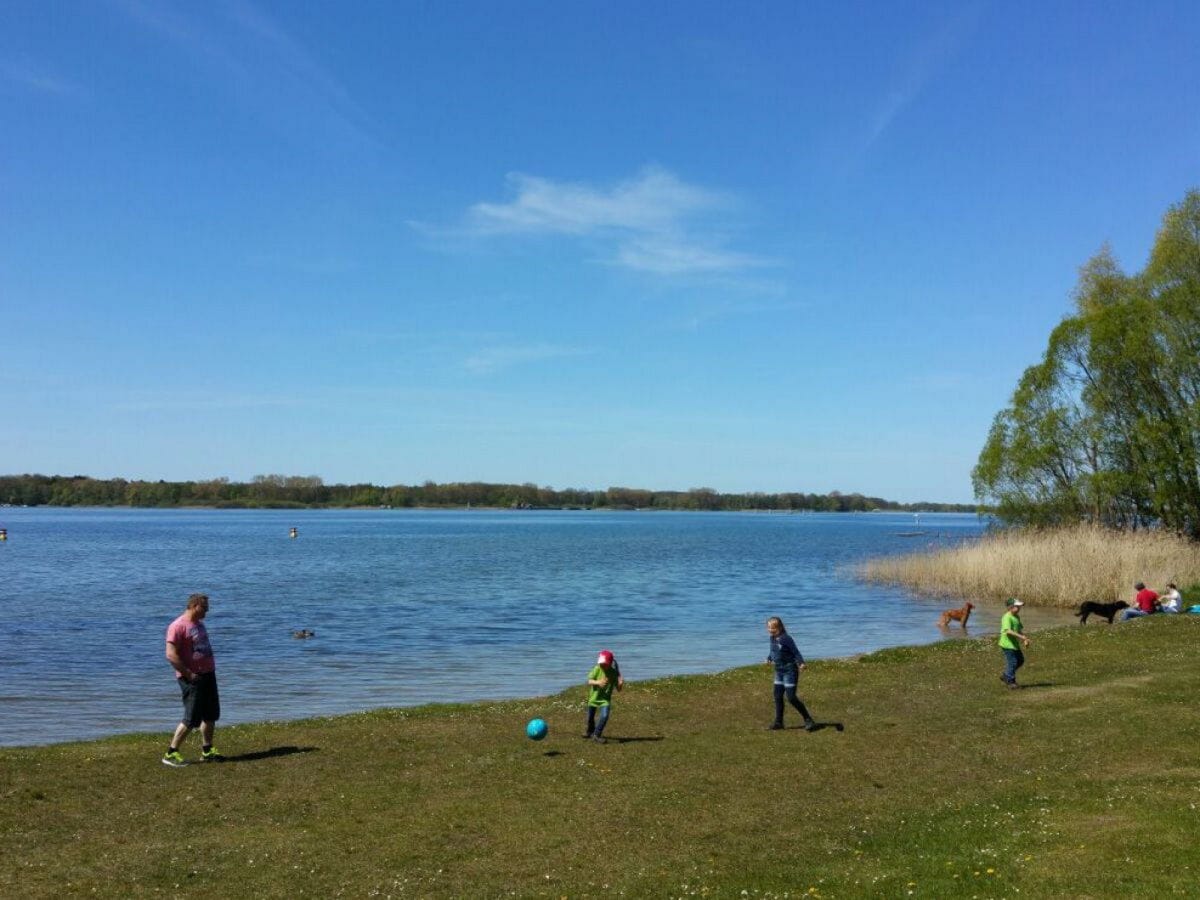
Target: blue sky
774	246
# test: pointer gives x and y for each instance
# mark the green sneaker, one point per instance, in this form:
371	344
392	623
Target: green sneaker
174	759
212	754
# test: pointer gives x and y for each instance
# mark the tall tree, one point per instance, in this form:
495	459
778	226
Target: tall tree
1106	427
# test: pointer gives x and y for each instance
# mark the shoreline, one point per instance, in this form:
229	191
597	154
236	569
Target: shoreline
954	636
285	507
426	571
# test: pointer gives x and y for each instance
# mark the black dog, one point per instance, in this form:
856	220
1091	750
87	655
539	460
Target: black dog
1105	610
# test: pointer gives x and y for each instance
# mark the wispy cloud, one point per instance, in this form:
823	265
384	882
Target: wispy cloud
671	255
35	78
919	67
493	359
654	201
653	222
260	60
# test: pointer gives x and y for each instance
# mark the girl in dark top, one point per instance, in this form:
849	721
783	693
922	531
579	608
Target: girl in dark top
788	662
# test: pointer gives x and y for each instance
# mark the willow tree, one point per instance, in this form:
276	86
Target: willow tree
1106	427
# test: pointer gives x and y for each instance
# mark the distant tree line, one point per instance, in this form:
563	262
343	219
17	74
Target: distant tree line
1106	428
291	491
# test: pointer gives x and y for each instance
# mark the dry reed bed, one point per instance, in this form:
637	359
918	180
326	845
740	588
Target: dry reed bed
1052	568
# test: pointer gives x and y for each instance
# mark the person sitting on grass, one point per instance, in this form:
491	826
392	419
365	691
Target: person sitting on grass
1172	600
604	677
1146	602
1010	634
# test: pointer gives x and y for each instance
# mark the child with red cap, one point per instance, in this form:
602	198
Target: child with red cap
604	677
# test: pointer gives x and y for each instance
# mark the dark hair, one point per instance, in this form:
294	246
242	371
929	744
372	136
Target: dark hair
1140	586
196	599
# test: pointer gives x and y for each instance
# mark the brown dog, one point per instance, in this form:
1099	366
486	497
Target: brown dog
959	615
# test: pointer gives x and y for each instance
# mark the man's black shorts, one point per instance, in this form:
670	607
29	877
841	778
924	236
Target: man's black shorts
201	703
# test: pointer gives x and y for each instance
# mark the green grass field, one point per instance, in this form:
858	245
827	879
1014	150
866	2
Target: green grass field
1085	783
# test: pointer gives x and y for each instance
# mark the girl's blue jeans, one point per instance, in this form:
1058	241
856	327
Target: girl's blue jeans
1013	660
596	723
789	691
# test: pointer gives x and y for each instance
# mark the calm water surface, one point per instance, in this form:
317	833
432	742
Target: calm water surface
413	607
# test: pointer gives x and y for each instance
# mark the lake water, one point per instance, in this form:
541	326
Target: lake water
412	607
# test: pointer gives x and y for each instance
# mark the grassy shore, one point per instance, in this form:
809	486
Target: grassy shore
1086	783
1055	568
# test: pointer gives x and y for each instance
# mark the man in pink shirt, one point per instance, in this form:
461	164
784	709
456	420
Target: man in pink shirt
190	655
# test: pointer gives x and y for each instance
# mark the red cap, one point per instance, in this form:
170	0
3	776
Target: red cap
605	658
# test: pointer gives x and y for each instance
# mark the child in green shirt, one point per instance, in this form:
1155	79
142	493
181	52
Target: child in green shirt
1010	633
604	677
